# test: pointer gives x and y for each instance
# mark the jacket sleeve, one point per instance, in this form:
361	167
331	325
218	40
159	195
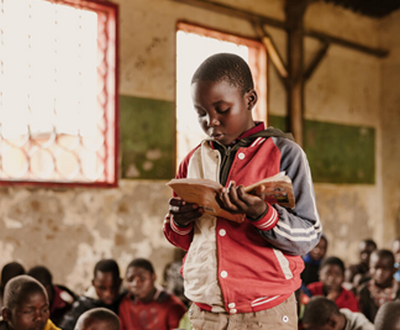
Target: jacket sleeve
69	320
180	237
296	231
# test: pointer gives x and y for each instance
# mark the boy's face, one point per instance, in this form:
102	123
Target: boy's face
106	286
332	276
318	252
396	251
140	283
365	252
382	271
31	314
223	112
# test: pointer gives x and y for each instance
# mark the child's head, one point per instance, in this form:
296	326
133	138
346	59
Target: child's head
98	319
366	247
43	275
223	96
322	314
106	280
26	306
331	273
319	251
396	250
388	316
382	268
140	279
9	271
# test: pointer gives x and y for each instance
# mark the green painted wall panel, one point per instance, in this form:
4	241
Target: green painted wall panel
337	153
147	138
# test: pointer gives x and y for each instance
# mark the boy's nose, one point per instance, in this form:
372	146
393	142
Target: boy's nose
213	121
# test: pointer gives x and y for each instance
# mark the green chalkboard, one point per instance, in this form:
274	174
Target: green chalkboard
147	138
337	153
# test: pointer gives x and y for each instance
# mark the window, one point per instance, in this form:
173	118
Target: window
194	45
58	92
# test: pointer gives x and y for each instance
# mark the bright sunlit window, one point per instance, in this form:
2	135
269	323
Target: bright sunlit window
58	92
194	45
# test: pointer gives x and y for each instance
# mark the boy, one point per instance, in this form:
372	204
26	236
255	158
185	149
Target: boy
312	262
246	273
396	253
147	307
358	273
330	286
98	319
382	287
60	297
104	292
388	316
323	314
26	306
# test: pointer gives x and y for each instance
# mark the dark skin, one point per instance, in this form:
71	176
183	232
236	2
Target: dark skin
224	114
332	277
140	283
106	286
382	270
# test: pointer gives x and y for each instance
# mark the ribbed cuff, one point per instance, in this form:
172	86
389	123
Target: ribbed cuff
180	230
268	221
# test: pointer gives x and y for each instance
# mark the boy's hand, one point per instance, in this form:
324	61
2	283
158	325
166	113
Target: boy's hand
236	200
184	213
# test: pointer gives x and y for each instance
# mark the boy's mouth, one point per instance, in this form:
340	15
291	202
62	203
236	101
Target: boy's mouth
217	136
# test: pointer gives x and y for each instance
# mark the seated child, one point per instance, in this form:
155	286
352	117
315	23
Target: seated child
104	292
312	262
9	271
358	273
244	273
98	319
388	316
26	305
60	297
323	314
396	253
146	306
382	287
330	286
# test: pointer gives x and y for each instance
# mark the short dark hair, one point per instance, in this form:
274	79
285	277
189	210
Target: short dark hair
99	314
370	242
333	261
388	315
11	270
18	288
319	310
384	254
107	266
42	274
142	263
225	67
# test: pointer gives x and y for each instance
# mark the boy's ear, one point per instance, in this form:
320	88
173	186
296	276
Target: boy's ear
6	314
252	98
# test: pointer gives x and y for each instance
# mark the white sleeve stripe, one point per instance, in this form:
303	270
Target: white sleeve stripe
298	230
294	238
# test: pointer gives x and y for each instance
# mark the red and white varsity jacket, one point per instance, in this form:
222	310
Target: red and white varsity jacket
255	265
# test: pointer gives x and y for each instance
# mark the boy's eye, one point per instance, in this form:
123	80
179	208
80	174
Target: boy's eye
200	113
222	110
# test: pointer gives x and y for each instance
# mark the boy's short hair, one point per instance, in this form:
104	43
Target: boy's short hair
142	263
99	314
333	261
42	274
18	288
369	241
225	67
384	254
319	310
388	316
11	270
107	266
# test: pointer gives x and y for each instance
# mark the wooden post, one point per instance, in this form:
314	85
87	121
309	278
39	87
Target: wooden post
295	10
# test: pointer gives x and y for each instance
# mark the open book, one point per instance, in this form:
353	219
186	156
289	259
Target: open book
278	189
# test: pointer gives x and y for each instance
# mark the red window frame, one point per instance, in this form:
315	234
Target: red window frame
108	17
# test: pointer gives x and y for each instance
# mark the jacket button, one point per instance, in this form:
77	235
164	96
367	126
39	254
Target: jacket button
222	232
285	319
233	311
241	155
232	305
224	274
